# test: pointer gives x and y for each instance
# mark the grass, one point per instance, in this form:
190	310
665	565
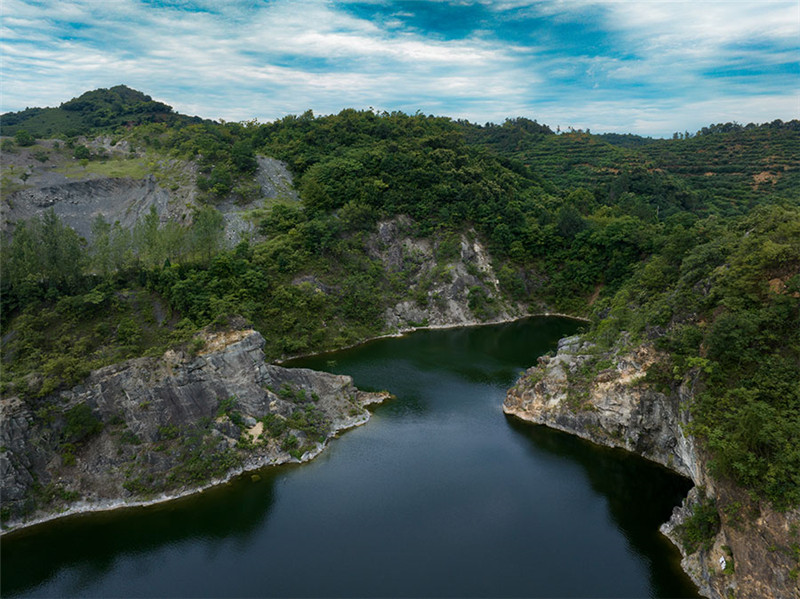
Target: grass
134	168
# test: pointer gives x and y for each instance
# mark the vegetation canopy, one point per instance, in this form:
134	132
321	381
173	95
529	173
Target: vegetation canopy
692	243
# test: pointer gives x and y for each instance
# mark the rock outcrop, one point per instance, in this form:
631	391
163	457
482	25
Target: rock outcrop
78	203
78	194
573	391
451	286
153	428
603	397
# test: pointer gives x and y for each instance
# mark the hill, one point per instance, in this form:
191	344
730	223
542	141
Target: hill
686	247
90	112
728	167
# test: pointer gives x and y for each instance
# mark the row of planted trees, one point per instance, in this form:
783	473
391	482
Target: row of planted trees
46	258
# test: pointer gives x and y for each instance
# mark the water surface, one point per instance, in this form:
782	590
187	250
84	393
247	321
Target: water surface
439	495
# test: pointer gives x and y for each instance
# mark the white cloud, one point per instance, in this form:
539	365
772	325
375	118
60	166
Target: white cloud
238	62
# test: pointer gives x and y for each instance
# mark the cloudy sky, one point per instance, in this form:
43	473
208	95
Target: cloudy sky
648	66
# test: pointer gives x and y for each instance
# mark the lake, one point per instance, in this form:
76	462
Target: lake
439	495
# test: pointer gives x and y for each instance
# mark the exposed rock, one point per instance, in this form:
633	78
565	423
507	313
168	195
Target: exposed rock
755	553
170	188
275	179
602	397
158	415
610	408
78	203
452	291
274	182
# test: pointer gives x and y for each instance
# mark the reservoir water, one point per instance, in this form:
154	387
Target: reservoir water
439	495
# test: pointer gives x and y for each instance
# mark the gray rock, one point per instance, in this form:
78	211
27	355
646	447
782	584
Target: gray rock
78	203
444	294
149	408
615	407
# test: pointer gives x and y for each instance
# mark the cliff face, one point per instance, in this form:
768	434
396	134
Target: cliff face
574	393
122	188
453	285
151	428
603	397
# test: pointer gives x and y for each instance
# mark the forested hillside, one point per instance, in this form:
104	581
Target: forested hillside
691	242
91	112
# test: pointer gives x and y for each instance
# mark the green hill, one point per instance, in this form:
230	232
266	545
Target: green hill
690	242
90	112
728	167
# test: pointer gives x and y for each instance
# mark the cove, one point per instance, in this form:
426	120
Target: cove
438	495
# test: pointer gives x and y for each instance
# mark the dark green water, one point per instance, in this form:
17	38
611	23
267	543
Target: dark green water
439	495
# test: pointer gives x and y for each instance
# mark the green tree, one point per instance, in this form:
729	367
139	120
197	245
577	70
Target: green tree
207	232
100	249
243	156
64	254
146	238
23	138
81	152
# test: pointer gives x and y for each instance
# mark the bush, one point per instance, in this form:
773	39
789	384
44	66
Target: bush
701	527
289	443
274	424
81	424
23	138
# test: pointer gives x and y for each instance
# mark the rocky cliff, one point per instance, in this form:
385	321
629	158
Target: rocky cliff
152	428
450	282
122	187
751	550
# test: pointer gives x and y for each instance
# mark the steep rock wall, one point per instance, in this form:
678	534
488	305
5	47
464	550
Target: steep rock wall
460	288
84	194
78	203
169	426
603	397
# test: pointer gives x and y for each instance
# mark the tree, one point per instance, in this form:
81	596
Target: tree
146	238
243	156
570	222
23	138
207	229
100	253
63	252
45	252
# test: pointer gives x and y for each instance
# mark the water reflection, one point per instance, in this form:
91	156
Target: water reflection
438	496
485	354
91	544
640	497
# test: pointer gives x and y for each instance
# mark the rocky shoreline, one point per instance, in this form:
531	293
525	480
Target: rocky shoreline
169	427
602	396
249	466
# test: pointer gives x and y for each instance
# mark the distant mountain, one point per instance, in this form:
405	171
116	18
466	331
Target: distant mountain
725	163
93	111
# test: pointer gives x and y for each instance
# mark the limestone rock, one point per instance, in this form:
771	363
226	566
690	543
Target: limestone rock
603	397
442	287
170	425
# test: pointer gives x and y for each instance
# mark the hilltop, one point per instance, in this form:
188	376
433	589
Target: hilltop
91	111
320	232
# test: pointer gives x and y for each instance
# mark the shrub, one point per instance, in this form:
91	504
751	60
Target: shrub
274	424
23	138
701	527
289	443
81	424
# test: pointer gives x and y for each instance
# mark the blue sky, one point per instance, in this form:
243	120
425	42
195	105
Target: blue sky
649	67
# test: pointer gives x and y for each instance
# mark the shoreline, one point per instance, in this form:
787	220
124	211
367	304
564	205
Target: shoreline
109	505
431	327
249	465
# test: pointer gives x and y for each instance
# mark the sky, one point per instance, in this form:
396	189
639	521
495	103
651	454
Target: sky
648	67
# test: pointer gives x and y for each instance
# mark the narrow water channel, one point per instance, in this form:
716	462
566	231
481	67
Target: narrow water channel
439	495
